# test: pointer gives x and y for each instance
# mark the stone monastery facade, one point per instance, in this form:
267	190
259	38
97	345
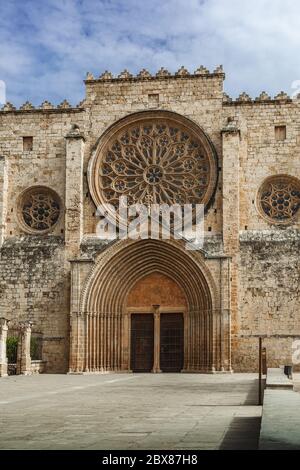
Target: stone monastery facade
151	305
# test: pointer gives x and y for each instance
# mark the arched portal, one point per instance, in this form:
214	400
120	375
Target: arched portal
101	338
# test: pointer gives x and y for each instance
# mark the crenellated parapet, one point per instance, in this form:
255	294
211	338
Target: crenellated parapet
245	99
45	107
125	76
162	73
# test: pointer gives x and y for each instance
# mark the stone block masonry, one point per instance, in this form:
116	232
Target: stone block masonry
248	270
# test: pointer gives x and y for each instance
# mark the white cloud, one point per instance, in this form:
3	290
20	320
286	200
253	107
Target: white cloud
47	47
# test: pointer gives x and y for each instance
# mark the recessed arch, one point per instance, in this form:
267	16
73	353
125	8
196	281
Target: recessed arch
104	300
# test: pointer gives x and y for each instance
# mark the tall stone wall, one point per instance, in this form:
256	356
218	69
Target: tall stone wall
269	298
268	284
34	270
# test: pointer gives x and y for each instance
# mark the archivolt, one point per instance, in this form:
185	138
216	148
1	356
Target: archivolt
103	302
123	264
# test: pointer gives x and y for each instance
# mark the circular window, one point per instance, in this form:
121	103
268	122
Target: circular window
157	162
154	158
39	209
279	198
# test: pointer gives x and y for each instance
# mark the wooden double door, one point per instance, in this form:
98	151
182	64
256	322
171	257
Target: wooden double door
168	347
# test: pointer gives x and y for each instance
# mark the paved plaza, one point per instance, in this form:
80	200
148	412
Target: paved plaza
129	411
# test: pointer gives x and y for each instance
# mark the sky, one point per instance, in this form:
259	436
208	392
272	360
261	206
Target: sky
48	46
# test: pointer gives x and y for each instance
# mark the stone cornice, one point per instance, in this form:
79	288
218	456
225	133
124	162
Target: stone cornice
41	111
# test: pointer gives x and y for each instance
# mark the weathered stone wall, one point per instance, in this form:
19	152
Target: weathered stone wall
269	297
267	254
262	154
44	165
34	286
35	273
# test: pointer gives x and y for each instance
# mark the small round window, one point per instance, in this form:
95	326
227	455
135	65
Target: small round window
279	198
39	209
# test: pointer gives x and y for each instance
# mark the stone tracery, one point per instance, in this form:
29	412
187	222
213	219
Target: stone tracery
155	162
39	209
279	198
153	157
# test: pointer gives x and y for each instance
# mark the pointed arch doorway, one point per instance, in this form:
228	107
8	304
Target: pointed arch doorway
101	324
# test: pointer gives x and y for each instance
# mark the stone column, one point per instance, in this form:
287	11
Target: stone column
78	332
3	354
73	235
74	190
156	361
231	199
77	341
24	359
232	148
126	334
225	314
3	197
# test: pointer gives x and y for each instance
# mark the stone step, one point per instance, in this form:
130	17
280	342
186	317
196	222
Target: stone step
277	379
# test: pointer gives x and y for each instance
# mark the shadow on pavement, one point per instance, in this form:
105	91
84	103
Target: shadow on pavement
243	433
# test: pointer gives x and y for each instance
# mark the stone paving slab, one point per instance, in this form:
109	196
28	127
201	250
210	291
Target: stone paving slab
134	411
280	428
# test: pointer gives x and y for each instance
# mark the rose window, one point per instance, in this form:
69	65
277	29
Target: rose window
279	198
156	161
39	209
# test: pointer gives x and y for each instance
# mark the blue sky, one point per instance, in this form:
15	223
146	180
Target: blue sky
47	46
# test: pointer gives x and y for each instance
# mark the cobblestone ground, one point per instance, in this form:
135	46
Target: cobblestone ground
134	411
